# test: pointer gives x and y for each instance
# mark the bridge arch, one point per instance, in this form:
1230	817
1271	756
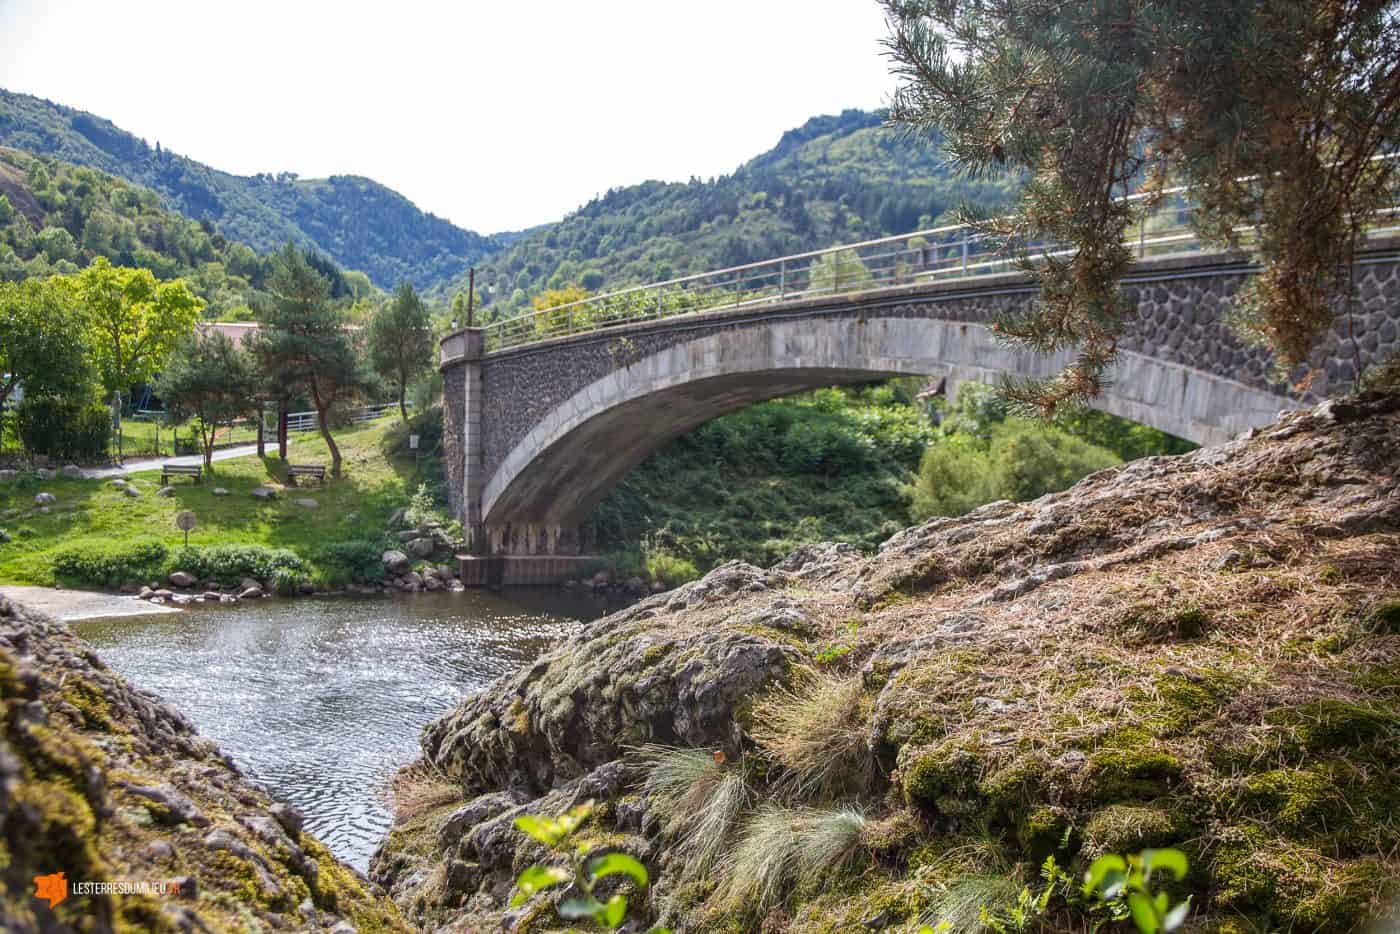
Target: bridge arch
569	460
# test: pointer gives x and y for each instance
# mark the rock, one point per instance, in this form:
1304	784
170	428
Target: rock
162	593
8	476
306	588
228	598
249	582
409	535
45	510
658	587
46	474
307	502
130	588
219	491
291	819
4	537
72	472
131	491
396	519
422	547
118	483
433	583
395	562
250	593
166	491
144	592
44	499
264	492
181	579
178	808
212	596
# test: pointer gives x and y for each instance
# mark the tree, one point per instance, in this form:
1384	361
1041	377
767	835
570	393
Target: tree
1272	110
211	381
135	320
304	339
42	341
401	340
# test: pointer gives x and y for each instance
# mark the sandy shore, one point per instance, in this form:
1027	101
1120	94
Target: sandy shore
71	605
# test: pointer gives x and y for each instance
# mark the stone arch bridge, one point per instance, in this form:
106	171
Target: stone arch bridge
537	434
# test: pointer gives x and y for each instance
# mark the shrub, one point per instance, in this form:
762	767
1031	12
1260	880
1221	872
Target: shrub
109	565
64	429
351	561
234	562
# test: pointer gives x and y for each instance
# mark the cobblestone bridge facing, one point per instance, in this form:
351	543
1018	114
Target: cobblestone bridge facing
536	435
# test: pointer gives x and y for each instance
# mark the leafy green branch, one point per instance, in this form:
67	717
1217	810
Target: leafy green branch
584	874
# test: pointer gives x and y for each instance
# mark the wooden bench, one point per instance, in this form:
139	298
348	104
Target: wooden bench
306	470
192	471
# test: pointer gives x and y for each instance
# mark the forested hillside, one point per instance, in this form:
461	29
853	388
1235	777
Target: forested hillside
358	222
836	179
56	218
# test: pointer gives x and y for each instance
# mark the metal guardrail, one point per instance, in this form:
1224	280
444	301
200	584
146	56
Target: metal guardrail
937	254
306	421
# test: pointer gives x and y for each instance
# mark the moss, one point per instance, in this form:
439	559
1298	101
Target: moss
947	770
1296	800
1136	772
1151	622
1043	830
1384	620
89	701
1015	786
1123	828
1331	723
1294	885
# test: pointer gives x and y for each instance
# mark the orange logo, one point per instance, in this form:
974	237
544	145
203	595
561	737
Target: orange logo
52	888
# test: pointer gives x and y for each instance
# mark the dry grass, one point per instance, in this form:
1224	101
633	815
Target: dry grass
782	848
699	797
818	733
418	788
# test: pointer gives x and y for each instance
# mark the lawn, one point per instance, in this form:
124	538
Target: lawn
156	439
355	507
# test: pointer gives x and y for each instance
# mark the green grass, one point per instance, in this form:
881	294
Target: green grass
94	513
152	438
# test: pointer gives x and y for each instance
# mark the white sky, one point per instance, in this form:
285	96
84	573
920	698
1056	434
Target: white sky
497	115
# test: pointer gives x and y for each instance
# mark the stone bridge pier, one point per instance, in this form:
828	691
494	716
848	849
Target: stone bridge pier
536	435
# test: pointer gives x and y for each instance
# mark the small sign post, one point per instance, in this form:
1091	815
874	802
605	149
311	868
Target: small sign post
184	522
413	446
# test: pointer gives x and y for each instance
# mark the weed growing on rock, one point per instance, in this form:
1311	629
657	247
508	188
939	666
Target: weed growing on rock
699	797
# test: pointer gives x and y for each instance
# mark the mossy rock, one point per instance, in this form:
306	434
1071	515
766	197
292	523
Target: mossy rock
1296	800
1016	786
1138	772
1331	723
1295	886
1384	620
1127	828
1043	830
946	770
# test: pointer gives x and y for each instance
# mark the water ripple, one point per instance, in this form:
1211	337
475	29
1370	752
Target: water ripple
322	699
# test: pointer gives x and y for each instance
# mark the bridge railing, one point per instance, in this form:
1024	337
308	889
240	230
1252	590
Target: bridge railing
934	255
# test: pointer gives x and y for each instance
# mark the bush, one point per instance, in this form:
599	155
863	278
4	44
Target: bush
110	565
351	561
235	562
64	429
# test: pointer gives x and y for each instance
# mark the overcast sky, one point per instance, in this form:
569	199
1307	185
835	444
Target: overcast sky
497	115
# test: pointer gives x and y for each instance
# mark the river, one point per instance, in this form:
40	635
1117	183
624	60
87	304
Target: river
322	699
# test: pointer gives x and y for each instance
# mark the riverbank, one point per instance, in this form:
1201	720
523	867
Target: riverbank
1200	651
68	606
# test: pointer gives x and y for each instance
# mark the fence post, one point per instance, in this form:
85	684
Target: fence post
964	253
782	280
1142	235
660	312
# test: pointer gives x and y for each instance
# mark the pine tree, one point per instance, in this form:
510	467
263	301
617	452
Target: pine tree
401	340
1272	110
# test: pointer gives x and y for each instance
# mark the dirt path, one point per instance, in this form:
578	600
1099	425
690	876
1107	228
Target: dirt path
71	605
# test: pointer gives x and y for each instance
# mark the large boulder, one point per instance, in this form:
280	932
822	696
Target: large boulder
115	784
44	499
395	561
422	547
72	472
181	579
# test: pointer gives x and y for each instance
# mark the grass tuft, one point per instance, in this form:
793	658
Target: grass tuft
961	903
818	734
782	848
699	799
418	788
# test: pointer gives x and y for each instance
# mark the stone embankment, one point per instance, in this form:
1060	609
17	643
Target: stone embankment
1200	651
103	783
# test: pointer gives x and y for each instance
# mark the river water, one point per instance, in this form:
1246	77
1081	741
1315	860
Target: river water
322	699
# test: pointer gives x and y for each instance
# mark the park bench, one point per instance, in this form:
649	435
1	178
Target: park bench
167	471
306	470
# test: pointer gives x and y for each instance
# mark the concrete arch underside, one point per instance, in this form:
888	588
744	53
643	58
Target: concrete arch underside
568	462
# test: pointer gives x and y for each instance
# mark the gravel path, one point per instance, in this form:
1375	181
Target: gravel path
99	473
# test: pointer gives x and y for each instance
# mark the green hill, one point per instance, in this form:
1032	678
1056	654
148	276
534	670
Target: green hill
56	218
358	222
835	179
